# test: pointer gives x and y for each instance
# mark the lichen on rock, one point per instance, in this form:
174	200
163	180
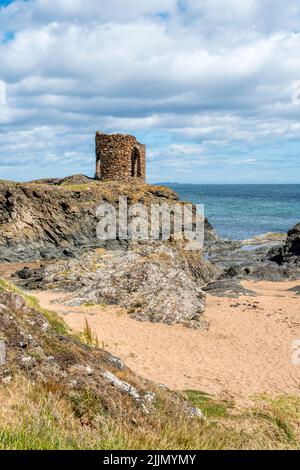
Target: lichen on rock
155	282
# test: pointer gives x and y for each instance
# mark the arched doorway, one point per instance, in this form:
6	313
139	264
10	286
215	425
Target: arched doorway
136	163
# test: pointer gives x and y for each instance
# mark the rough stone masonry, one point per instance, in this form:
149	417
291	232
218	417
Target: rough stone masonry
119	158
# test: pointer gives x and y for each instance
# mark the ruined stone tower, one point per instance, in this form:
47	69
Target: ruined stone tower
119	157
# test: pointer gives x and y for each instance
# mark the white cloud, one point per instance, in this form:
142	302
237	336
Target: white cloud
2	93
188	78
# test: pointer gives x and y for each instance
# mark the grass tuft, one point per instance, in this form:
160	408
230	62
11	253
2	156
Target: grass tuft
208	404
89	337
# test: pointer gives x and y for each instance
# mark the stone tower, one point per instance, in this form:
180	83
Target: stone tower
119	158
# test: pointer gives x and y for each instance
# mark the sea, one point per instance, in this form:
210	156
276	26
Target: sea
242	211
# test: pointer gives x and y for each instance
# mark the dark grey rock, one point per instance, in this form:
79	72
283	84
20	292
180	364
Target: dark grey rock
295	289
24	273
252	259
227	288
56	218
289	253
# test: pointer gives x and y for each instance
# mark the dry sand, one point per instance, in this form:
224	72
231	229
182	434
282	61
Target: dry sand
246	351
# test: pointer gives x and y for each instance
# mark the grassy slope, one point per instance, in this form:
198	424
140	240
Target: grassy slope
33	417
40	416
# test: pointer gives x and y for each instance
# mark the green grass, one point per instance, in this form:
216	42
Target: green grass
87	405
208	404
35	416
42	419
54	320
282	412
88	336
45	421
50	416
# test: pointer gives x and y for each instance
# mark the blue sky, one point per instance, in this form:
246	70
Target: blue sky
206	84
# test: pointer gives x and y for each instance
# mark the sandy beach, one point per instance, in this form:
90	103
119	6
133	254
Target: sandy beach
247	349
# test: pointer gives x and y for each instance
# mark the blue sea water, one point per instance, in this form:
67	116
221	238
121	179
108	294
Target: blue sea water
243	211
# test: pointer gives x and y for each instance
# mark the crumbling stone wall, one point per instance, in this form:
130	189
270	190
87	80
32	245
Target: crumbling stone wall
119	157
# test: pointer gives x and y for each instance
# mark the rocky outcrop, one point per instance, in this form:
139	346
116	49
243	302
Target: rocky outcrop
36	344
56	218
156	282
289	253
250	259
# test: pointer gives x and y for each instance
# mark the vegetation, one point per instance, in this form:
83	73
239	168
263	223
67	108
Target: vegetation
38	417
77	187
55	321
88	336
210	407
49	415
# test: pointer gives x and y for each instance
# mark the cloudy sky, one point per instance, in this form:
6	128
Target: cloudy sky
211	86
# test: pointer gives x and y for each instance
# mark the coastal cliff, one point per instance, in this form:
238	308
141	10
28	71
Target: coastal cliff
71	392
56	218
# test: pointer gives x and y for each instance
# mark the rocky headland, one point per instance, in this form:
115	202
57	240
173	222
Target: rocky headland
56	220
213	320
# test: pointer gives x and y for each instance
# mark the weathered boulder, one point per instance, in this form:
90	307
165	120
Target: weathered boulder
156	282
289	253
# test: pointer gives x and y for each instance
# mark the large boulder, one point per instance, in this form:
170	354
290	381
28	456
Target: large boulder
289	253
293	241
155	282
